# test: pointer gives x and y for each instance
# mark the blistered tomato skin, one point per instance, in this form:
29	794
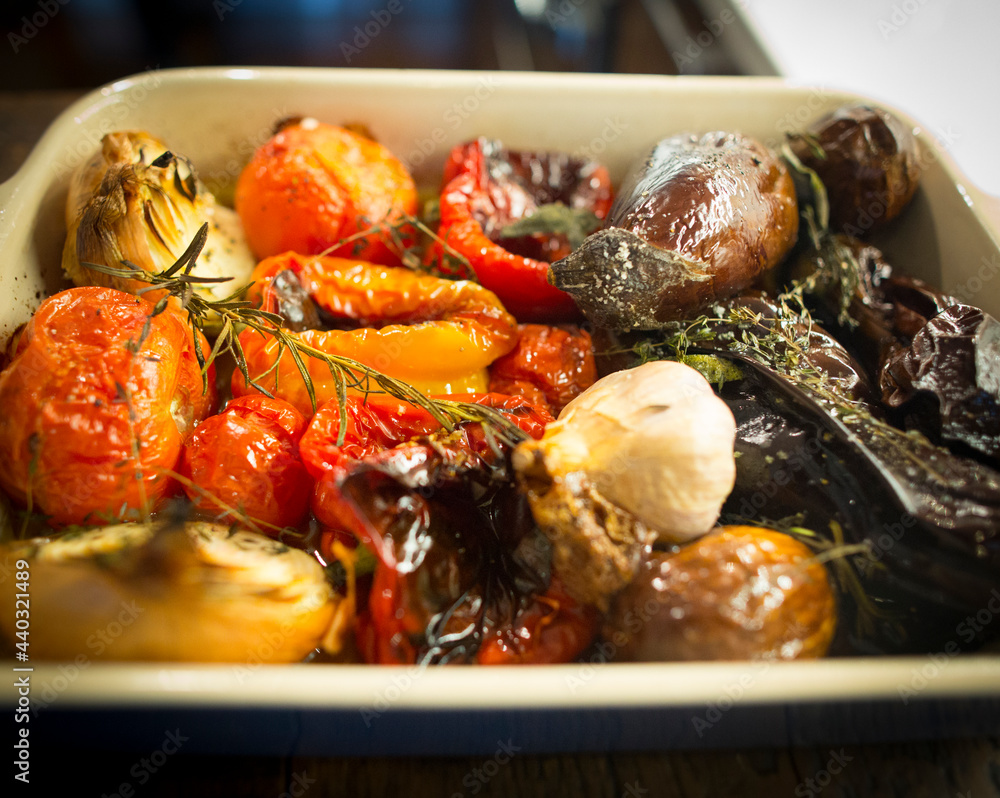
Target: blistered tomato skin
312	185
247	458
549	365
95	410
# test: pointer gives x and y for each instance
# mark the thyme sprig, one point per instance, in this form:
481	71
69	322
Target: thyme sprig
236	314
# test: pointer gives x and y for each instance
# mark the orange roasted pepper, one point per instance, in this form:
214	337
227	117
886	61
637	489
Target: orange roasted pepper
438	335
312	185
96	406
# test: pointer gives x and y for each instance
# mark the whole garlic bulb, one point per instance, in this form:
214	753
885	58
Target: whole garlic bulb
654	440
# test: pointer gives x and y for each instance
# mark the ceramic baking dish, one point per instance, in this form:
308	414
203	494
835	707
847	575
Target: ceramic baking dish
949	236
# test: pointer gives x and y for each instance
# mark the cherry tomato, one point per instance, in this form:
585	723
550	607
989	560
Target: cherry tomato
96	402
313	185
247	458
549	365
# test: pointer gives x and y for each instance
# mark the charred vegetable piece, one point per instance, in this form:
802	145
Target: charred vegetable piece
954	359
138	201
699	219
512	213
312	185
97	401
739	592
194	593
643	453
549	365
869	162
462	571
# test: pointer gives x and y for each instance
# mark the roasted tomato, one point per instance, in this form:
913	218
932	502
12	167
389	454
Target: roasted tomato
438	335
313	185
549	365
486	188
96	403
246	459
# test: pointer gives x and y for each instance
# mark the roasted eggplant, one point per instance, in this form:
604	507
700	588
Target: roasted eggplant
701	218
869	162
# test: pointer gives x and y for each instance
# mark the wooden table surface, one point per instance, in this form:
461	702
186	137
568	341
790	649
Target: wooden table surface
950	768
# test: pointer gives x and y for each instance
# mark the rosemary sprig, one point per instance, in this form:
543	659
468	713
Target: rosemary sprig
235	313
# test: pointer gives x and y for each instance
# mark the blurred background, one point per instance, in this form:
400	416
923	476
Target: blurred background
69	43
935	59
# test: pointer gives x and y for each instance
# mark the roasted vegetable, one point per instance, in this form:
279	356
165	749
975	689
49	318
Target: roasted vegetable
243	464
549	365
739	592
437	334
643	454
97	401
512	213
463	575
313	185
698	220
194	593
931	518
868	161
139	202
952	363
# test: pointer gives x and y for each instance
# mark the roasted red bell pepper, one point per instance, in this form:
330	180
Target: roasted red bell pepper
487	187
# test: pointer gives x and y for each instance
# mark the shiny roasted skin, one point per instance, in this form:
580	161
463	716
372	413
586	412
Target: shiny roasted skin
439	335
739	592
870	165
699	220
91	400
312	185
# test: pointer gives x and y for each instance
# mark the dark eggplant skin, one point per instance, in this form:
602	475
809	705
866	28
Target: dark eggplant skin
933	358
698	220
953	360
870	165
931	518
933	529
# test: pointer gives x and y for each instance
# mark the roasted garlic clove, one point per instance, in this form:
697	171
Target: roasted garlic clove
135	200
197	593
643	454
